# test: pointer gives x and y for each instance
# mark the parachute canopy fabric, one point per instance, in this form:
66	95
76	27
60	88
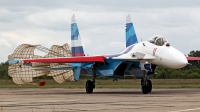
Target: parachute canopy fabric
22	74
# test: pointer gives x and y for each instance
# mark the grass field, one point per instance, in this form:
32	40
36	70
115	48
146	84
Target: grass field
110	83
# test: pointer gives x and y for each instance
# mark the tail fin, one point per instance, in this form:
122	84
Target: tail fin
131	37
76	45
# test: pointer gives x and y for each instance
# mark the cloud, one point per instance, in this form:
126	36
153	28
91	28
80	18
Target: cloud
195	41
50	17
116	44
86	42
34	36
4	43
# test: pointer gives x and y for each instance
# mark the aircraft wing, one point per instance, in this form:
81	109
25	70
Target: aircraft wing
74	65
85	59
81	59
193	58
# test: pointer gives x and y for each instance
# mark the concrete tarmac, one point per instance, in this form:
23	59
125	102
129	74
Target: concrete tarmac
102	100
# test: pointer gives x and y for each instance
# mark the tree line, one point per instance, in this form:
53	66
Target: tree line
191	71
4	71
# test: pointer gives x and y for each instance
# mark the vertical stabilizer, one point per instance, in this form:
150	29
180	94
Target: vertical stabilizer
131	37
76	45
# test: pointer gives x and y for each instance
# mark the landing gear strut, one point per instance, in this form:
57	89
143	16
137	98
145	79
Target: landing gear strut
90	85
146	85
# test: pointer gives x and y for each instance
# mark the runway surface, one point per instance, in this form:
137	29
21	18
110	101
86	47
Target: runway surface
102	100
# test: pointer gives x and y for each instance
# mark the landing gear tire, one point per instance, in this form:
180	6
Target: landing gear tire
146	87
150	86
89	86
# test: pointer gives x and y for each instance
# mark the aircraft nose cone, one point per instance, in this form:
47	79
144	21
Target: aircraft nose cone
173	58
181	61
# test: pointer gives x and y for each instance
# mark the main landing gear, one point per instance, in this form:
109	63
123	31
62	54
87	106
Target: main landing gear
146	85
90	85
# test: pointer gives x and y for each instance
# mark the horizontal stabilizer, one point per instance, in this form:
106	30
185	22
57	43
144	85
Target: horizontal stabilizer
13	61
55	68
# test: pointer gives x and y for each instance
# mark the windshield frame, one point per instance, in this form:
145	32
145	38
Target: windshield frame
158	40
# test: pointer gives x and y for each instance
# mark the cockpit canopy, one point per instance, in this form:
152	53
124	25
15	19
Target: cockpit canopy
158	40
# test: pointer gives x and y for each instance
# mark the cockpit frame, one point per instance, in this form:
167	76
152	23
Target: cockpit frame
158	40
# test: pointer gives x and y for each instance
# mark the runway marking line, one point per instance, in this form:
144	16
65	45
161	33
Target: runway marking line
186	110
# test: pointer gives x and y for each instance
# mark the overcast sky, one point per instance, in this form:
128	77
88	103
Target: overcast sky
101	23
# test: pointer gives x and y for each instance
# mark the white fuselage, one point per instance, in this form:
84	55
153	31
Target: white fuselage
159	55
